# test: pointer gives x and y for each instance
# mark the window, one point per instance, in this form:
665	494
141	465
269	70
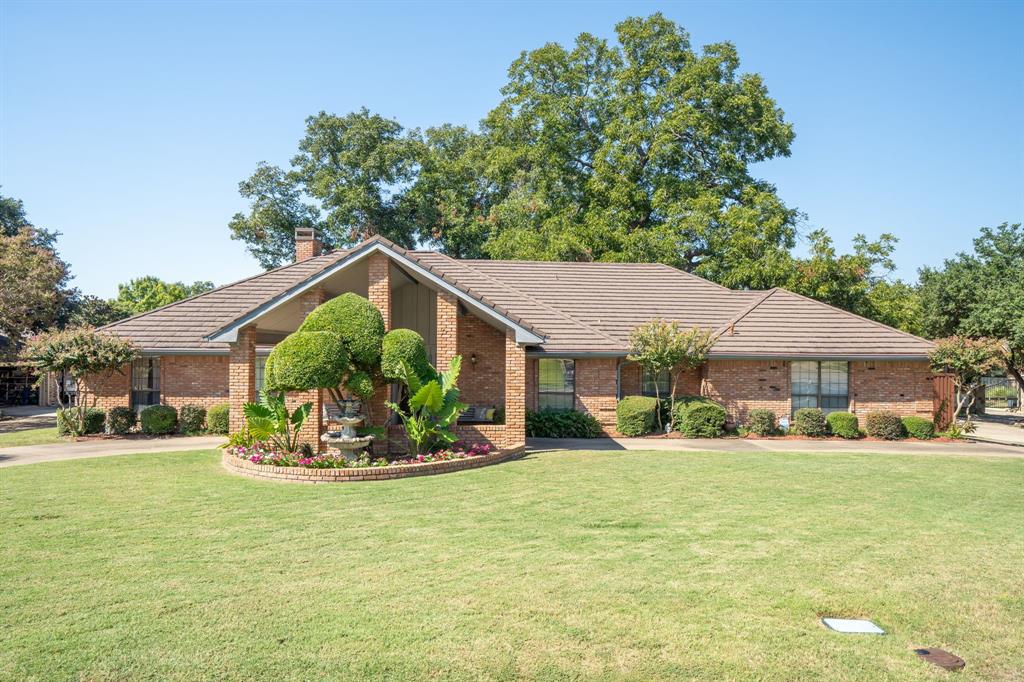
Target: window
820	384
662	381
556	386
145	382
261	370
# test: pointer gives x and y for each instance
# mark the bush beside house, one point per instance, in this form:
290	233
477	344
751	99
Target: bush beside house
158	420
884	425
919	427
217	418
561	424
697	417
94	419
843	424
761	422
636	415
809	421
121	420
191	419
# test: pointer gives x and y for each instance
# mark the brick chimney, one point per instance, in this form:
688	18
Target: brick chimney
307	244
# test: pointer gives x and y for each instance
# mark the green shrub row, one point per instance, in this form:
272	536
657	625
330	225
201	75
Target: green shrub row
811	421
94	419
561	424
694	416
191	420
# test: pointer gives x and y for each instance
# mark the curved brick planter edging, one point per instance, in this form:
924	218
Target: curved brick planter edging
307	475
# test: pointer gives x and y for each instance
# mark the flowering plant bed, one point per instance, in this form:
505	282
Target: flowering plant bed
264	453
329	468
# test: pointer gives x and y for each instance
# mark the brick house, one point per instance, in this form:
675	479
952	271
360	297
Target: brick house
532	335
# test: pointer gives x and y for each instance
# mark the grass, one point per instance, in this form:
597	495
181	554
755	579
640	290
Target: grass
562	565
30	437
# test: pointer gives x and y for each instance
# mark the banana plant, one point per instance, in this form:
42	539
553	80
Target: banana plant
433	407
269	420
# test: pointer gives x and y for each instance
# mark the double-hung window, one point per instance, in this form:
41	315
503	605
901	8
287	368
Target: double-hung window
660	380
261	371
556	384
145	382
823	384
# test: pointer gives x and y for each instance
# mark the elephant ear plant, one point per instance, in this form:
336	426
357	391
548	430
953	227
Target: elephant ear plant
433	405
270	420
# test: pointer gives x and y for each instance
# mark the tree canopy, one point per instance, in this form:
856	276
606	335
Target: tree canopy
146	293
32	284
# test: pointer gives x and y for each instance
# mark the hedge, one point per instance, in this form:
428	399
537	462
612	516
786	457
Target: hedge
701	418
635	415
919	427
843	424
159	419
884	425
354	319
218	418
306	360
94	420
191	419
121	420
561	424
761	422
809	421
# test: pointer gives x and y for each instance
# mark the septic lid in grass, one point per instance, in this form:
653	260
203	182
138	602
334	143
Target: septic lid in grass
852	626
941	658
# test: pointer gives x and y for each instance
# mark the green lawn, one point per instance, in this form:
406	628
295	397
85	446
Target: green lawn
30	437
561	565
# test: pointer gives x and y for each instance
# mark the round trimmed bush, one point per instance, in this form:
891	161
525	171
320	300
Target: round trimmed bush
218	418
94	420
360	384
702	418
884	425
306	360
761	422
121	420
191	419
158	420
561	424
843	424
635	415
356	321
407	345
919	427
809	421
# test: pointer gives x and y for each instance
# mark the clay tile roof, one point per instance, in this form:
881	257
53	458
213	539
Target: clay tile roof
577	308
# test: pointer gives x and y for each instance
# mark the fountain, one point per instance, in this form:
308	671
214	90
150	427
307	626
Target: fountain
346	415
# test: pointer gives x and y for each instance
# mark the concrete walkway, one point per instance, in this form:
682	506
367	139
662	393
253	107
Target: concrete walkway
963	448
1001	428
31	454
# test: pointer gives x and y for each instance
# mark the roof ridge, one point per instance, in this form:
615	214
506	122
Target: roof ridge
336	252
743	313
855	315
540	303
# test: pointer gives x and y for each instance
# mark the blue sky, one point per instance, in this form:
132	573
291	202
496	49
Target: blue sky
127	126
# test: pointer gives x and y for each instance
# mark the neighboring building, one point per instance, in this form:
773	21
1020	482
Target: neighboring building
532	335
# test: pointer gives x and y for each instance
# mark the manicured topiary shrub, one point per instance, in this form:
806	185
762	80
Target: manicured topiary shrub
919	427
360	384
121	420
635	415
407	345
191	419
700	418
884	425
843	424
809	421
561	424
306	359
761	422
217	418
158	420
94	420
355	320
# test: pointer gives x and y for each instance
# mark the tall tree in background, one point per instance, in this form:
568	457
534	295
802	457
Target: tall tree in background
32	284
143	294
981	294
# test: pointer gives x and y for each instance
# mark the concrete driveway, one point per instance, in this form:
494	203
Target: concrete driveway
51	452
1001	427
962	448
25	417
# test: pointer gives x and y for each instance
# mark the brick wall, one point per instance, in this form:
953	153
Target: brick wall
901	387
111	390
688	383
482	382
531	383
241	375
193	380
515	391
595	390
379	285
449	329
744	385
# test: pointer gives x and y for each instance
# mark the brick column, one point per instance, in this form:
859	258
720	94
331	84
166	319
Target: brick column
314	426
515	392
447	329
379	287
379	293
241	376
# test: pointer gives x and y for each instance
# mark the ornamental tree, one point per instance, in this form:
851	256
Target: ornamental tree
966	360
86	356
337	348
660	346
